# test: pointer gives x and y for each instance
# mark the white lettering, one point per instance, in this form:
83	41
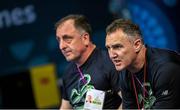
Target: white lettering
29	13
5	19
17	17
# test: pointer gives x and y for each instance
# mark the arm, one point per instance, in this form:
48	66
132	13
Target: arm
65	105
116	86
167	87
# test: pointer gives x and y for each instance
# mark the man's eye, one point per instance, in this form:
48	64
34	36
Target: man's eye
68	40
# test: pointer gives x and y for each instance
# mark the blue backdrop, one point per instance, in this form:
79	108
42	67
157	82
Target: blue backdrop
27	35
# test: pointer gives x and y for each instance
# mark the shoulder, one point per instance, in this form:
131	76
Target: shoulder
104	63
157	53
103	56
69	70
159	57
163	64
107	63
101	52
162	57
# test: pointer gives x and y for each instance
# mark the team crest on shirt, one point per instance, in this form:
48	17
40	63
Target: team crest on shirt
78	94
149	99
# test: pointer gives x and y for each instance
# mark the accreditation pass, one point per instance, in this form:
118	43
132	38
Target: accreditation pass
94	100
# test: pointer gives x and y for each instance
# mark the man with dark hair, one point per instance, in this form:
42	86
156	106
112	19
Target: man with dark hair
89	68
149	77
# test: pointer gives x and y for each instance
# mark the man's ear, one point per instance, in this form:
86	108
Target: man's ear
137	45
86	39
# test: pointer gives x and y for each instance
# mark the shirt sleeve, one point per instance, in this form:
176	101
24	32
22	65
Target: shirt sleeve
114	75
63	90
128	97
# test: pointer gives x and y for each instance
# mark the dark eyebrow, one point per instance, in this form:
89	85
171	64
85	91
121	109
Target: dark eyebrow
117	46
66	37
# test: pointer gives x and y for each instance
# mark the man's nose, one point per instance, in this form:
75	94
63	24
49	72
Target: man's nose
112	53
62	45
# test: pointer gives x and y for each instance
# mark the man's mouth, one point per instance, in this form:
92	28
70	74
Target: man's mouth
67	53
117	62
